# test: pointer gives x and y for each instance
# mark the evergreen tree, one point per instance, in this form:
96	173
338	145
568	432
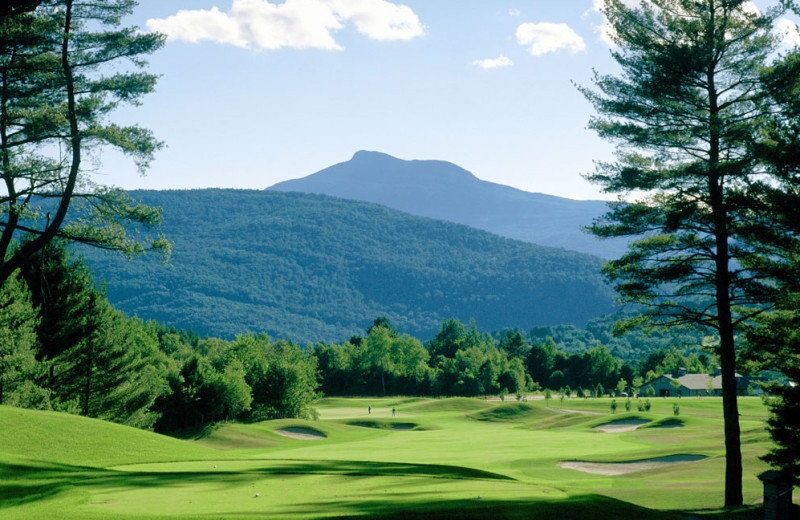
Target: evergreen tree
513	342
61	74
13	7
62	290
686	112
18	365
101	364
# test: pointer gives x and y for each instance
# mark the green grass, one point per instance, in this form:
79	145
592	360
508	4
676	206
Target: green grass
437	458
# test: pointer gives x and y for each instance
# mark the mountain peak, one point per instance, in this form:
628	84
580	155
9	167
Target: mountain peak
368	155
443	190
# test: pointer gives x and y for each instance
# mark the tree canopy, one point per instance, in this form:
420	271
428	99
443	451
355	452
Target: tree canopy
62	73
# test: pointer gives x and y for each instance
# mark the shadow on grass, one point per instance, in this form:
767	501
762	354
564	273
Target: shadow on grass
573	508
742	513
596	507
24	483
386	425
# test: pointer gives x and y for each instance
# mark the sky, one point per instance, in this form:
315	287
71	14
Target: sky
254	92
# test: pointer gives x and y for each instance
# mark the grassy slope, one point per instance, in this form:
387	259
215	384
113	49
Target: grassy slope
480	458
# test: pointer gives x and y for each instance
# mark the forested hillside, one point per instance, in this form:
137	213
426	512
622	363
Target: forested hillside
315	268
443	190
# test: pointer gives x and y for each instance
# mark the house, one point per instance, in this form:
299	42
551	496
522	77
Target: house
682	384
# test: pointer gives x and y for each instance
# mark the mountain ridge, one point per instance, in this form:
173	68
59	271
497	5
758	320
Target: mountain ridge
442	190
317	268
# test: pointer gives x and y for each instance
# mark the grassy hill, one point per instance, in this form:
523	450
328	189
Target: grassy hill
437	458
443	190
316	268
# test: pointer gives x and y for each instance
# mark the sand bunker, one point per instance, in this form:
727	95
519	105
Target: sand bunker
306	434
627	425
621	468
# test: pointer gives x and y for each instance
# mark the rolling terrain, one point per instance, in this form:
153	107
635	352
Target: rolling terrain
442	190
438	458
316	268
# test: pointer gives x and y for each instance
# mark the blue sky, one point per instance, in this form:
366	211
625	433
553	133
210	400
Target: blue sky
253	92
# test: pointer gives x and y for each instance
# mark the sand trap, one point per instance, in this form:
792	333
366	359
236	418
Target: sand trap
306	434
621	468
627	425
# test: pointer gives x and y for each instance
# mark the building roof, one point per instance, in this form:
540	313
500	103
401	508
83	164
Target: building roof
700	381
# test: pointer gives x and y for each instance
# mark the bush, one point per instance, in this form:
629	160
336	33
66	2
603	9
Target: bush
628	405
676	409
647	405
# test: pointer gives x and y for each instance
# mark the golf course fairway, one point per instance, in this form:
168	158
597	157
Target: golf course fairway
388	458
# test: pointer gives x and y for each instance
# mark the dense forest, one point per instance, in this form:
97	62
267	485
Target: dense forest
311	268
66	348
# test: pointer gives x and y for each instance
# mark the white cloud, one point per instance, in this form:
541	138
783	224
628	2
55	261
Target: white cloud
493	63
379	19
547	37
298	24
788	32
514	12
751	8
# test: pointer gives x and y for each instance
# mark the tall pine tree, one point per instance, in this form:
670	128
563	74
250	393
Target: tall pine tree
685	113
62	72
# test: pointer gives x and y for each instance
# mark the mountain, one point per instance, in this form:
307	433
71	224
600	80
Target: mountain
442	190
317	268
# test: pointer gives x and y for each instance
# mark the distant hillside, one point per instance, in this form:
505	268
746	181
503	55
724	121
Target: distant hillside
442	190
316	268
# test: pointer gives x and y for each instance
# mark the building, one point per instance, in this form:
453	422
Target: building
682	384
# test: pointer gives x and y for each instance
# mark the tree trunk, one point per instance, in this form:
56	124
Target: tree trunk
727	346
25	252
727	353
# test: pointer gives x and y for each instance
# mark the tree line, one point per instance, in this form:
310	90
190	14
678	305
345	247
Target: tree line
64	347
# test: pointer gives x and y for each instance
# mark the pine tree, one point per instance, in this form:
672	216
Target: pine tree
18	365
61	74
686	112
101	363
